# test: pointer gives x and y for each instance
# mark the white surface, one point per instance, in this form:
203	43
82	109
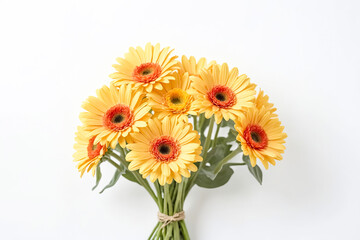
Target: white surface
304	54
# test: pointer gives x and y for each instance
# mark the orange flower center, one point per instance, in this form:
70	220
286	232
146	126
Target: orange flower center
178	101
147	72
255	137
118	117
93	149
165	149
222	96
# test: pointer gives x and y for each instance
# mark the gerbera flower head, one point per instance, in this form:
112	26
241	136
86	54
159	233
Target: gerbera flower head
261	136
165	150
174	100
191	66
88	154
223	93
145	69
115	113
263	101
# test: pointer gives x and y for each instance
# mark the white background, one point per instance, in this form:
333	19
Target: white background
304	54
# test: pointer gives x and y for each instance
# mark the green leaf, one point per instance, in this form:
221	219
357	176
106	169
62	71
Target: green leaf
120	151
221	178
214	157
234	133
230	123
225	140
255	171
207	177
129	176
98	175
114	180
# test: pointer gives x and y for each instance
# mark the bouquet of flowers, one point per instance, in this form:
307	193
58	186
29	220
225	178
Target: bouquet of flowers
158	124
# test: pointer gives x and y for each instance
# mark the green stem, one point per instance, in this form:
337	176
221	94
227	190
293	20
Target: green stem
165	204
179	197
183	193
137	175
176	231
208	140
236	164
204	153
170	210
216	135
155	228
173	194
159	195
158	235
226	159
114	164
195	123
201	121
168	199
185	232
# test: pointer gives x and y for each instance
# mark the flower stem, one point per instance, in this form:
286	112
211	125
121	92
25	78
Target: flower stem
167	201
138	177
236	164
176	231
179	197
204	153
201	123
195	123
208	140
226	159
159	195
185	232
155	228
216	135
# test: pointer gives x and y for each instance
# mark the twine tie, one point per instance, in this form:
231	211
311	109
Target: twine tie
166	220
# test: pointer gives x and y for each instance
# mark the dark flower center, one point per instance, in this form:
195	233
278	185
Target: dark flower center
118	118
164	149
146	72
256	137
220	96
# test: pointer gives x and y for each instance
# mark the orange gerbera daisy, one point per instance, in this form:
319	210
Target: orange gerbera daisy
222	93
263	101
261	136
87	153
146	69
191	66
165	150
115	113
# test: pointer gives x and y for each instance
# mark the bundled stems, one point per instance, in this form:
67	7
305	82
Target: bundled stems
170	197
204	153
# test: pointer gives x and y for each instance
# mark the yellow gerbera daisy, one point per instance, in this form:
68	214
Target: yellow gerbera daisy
87	153
146	69
174	99
165	150
263	101
222	93
261	136
115	113
192	67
